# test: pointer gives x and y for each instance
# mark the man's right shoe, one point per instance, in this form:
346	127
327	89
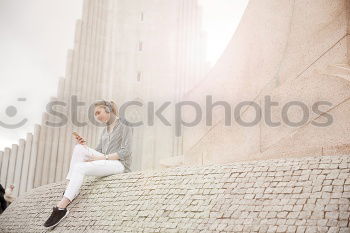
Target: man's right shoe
56	217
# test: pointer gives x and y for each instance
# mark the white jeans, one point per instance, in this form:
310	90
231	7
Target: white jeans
78	169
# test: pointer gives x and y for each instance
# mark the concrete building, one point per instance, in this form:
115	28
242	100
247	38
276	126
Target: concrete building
149	50
124	50
294	53
290	51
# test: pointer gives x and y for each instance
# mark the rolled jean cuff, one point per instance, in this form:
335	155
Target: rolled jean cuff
70	195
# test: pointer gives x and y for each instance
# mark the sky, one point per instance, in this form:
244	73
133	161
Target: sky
34	38
220	20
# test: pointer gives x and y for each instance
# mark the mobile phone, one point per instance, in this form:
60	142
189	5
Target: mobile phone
76	135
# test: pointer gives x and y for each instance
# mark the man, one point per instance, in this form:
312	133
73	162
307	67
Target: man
3	202
6	197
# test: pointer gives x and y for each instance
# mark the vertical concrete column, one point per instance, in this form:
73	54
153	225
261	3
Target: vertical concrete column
194	66
19	165
91	64
103	61
194	42
87	48
195	46
102	50
47	148
78	64
66	132
76	58
67	149
91	85
84	64
180	68
54	145
71	91
33	157
190	45
62	130
98	73
5	166
12	165
201	50
98	70
98	65
41	151
109	38
185	57
69	70
26	162
77	51
190	70
189	42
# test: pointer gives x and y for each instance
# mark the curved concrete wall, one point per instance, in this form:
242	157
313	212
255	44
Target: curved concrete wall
283	49
284	195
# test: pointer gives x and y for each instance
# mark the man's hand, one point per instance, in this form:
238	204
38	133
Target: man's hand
90	158
79	139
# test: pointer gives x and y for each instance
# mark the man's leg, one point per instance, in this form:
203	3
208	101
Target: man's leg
78	155
77	171
94	168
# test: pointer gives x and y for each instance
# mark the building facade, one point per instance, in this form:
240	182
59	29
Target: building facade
124	50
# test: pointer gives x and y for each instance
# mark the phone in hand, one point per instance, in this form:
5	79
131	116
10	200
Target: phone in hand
77	136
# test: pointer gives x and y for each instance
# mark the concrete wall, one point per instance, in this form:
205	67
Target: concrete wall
286	50
283	195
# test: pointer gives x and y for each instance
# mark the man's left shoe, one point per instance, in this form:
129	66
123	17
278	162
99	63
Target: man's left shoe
56	217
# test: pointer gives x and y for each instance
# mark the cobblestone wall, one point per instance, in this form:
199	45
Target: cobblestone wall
286	195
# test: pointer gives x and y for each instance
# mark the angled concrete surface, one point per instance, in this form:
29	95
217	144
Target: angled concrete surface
310	194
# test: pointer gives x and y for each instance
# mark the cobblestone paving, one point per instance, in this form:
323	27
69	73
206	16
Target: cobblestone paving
286	195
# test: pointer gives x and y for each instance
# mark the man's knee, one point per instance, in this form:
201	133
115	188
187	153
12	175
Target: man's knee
80	167
78	148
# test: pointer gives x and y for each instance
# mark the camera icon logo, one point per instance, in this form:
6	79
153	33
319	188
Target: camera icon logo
11	111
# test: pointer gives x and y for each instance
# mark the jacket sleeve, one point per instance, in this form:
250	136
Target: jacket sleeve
125	149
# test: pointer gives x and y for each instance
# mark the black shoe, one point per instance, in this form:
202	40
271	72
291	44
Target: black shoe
56	217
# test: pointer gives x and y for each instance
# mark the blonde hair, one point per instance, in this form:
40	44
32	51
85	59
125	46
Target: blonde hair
109	106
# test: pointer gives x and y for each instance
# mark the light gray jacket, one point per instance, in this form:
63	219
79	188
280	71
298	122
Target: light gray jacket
118	140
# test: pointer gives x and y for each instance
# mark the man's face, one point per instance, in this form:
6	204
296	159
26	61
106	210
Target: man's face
101	115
